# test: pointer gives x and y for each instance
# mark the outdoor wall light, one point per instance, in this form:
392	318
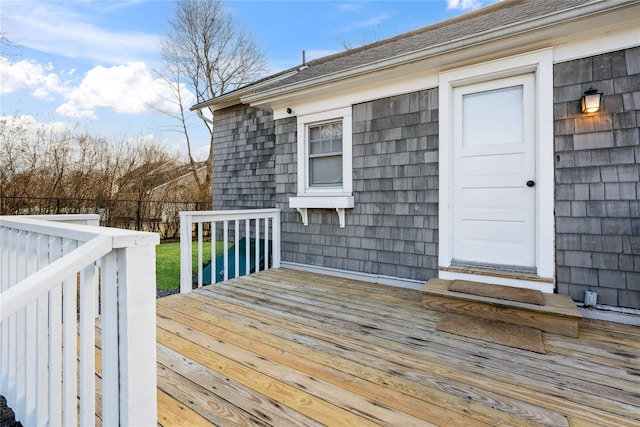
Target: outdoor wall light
289	111
591	101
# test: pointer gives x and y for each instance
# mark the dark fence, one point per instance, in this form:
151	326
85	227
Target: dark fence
161	217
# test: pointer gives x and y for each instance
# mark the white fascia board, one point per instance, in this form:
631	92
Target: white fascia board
604	41
234	97
352	91
541	32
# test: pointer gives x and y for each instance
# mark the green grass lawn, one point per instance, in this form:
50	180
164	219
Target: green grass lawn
168	262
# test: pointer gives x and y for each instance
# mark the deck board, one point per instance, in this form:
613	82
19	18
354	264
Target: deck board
286	347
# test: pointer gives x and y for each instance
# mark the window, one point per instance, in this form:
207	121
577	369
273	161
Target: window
324	163
484	112
325	154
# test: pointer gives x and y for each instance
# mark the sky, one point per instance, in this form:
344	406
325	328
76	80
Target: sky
93	65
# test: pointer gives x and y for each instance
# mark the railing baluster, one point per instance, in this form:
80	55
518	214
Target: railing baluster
11	359
42	341
70	345
266	243
21	322
247	234
55	341
30	354
199	255
257	256
225	231
236	245
214	259
110	404
87	346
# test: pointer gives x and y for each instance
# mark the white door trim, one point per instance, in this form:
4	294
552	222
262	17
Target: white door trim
541	64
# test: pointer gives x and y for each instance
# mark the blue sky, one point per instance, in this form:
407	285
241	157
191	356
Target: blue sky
91	65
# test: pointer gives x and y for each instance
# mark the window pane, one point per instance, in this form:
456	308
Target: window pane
325	138
315	147
314	133
493	117
325	171
336	146
336	131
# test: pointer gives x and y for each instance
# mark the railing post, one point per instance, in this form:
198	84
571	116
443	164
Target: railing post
185	253
137	336
276	240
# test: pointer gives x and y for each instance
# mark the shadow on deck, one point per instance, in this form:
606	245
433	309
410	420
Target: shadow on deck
285	348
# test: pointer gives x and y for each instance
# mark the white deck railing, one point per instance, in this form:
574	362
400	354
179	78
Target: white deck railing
53	272
260	229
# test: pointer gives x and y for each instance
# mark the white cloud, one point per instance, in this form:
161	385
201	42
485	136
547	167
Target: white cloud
33	125
130	89
464	4
29	74
70	110
59	28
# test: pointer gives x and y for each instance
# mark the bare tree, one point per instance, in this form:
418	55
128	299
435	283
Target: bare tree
43	163
372	36
208	55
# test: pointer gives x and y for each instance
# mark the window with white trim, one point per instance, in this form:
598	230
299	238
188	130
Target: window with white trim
324	163
324	153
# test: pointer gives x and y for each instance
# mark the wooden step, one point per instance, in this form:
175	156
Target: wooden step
558	315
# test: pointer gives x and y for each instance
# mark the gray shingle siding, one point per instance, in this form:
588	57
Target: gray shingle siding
597	176
392	230
244	159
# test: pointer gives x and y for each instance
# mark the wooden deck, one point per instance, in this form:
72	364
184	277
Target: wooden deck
287	348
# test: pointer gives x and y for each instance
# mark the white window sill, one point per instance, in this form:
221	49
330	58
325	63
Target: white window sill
339	203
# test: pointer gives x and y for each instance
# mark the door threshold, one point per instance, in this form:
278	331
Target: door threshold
517	275
498	277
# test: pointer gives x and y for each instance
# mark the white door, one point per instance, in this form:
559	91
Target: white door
494	174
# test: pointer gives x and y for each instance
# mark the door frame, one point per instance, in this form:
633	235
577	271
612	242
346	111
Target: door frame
540	63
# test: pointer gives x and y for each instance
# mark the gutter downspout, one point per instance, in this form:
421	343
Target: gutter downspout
205	119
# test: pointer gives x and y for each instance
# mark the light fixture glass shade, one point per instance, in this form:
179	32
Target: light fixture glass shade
591	101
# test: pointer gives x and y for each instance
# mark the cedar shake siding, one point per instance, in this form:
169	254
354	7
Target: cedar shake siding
243	161
597	179
392	230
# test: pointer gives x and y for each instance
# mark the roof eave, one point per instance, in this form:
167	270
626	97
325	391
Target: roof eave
234	97
516	29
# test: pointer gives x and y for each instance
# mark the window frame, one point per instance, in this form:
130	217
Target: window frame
337	197
305	189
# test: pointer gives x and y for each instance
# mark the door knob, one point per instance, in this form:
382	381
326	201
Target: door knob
531	183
